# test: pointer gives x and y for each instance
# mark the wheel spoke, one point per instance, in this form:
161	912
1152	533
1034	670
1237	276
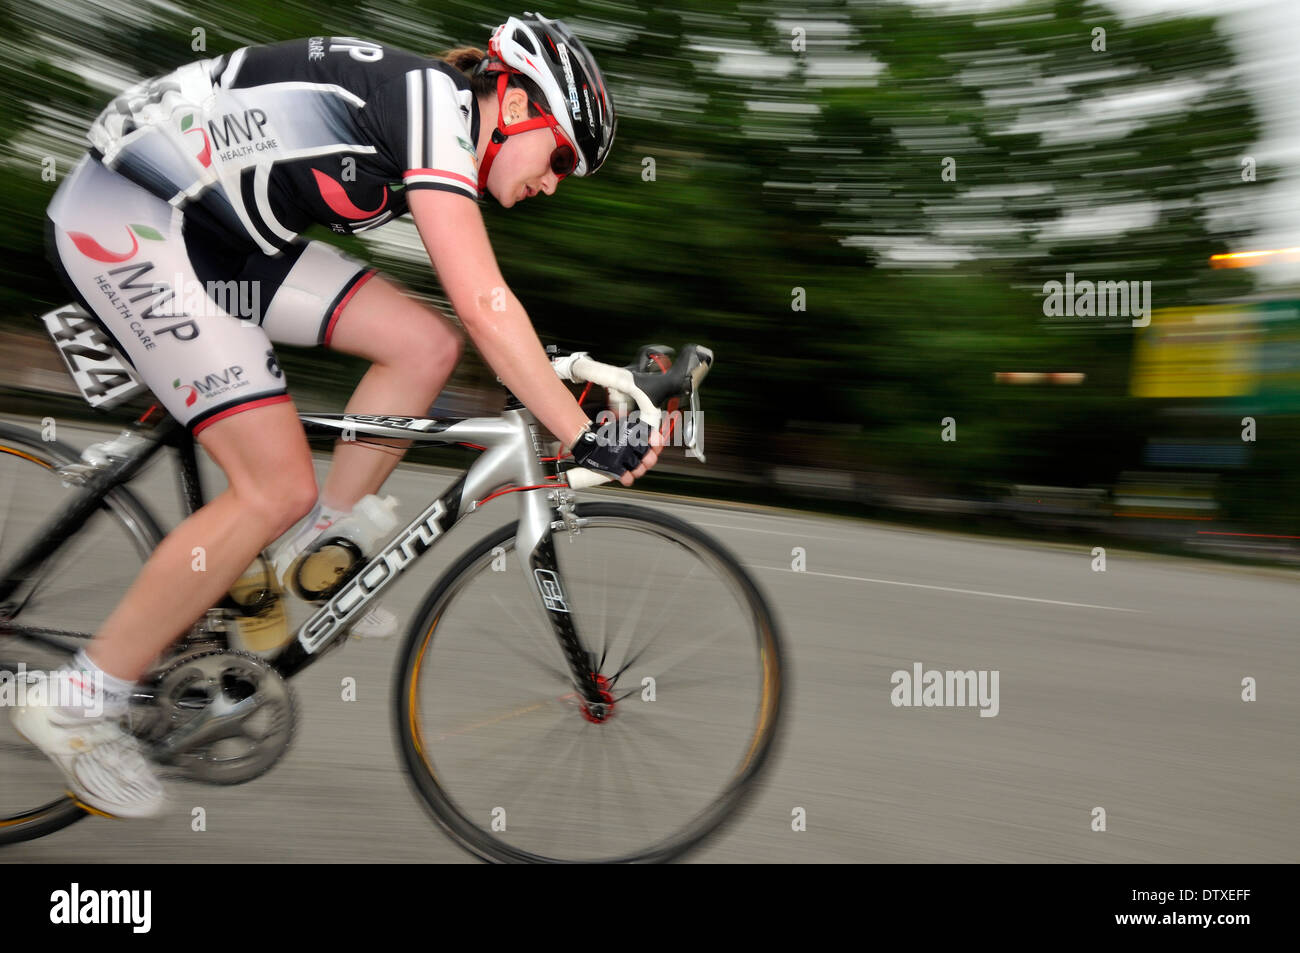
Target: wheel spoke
719	609
619	752
684	655
527	629
666	793
44	573
519	652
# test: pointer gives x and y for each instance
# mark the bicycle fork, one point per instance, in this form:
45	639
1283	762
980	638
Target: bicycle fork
539	562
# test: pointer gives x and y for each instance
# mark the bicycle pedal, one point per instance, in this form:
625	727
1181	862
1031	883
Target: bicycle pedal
74	475
87	808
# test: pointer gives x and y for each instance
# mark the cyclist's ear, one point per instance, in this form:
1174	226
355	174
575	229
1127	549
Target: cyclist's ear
514	105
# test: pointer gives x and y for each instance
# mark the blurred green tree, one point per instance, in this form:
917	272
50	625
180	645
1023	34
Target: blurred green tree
764	149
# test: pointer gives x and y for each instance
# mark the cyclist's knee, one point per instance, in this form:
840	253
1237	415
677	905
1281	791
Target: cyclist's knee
386	326
443	345
430	343
278	503
298	499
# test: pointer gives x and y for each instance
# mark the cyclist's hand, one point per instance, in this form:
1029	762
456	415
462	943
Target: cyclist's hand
650	459
636	452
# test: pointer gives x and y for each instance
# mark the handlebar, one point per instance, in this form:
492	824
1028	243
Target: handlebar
649	390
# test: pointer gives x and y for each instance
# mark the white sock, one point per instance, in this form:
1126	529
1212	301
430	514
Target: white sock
98	690
321	518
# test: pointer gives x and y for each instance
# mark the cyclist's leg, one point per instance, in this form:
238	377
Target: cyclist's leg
412	349
213	373
271	485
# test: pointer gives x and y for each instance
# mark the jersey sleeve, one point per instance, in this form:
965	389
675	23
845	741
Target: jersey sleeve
424	121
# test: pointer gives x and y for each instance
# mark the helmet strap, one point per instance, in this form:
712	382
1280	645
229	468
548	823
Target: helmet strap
500	133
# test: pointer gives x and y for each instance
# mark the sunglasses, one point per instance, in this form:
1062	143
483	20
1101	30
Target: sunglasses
564	159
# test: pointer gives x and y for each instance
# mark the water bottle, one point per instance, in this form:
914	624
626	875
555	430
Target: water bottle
329	562
370	521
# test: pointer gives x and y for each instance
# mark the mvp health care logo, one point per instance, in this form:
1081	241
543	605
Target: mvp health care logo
213	385
188	128
94	250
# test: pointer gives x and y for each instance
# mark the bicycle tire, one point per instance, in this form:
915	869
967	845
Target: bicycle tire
472	837
60	812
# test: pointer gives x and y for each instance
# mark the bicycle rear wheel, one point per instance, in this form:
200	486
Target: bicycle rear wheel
500	746
53	611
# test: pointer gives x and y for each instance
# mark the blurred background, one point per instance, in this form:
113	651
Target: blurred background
859	207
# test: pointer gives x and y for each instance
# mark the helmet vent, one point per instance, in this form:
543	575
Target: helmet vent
551	52
526	41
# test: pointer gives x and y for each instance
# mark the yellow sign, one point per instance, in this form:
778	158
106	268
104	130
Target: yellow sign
1209	351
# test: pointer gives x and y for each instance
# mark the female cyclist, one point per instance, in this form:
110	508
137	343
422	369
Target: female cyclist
206	176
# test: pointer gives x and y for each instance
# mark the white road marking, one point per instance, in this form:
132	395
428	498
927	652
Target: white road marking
969	592
777	532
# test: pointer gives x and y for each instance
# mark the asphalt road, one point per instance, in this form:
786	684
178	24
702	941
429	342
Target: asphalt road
1119	690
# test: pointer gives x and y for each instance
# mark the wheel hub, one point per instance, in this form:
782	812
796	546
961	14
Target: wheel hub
601	711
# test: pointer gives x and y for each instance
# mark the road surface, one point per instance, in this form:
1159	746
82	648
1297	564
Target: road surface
1119	690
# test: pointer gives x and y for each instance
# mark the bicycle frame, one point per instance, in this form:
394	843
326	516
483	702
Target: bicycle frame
511	456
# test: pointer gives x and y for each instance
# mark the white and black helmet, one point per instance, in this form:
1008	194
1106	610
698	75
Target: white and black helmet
547	52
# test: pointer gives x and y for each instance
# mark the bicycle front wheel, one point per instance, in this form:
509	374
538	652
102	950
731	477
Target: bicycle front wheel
498	741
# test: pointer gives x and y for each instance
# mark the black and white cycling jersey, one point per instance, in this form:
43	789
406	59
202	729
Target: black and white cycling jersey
267	140
179	231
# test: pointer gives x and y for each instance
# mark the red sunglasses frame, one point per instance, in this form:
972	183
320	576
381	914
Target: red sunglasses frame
501	133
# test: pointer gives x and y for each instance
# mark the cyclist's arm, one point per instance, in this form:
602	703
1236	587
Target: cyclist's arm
453	232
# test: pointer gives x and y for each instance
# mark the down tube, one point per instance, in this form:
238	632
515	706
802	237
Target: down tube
330	621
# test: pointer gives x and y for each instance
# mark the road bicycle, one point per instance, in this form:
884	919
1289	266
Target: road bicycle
592	682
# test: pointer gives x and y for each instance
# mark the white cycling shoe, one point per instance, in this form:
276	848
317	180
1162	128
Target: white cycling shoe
376	624
102	763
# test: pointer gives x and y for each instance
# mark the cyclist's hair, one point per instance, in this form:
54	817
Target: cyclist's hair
484	85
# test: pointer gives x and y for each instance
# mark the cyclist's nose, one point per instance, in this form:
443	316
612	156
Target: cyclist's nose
549	182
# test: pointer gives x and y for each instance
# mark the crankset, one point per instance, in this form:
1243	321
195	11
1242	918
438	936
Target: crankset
216	715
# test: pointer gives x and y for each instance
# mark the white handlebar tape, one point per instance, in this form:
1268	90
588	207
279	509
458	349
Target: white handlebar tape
617	379
580	478
564	366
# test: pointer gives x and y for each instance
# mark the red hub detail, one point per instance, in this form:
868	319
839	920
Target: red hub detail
603	686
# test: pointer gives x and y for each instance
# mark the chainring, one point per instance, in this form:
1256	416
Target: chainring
219	716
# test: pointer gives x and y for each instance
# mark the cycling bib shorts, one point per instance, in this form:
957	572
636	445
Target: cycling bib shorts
194	318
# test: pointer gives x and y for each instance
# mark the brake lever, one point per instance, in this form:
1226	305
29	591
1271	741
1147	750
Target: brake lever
692	418
645	358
